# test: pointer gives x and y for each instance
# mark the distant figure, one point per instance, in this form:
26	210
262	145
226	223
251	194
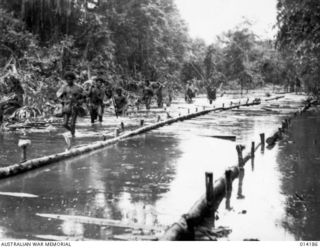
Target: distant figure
157	87
96	96
147	94
170	93
211	93
190	93
71	97
120	102
13	97
298	85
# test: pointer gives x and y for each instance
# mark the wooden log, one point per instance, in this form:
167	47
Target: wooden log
46	160
209	187
224	137
228	178
262	139
239	149
274	98
98	221
23	144
181	229
18	194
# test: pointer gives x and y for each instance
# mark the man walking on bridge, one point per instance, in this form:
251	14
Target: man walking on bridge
71	96
120	102
96	96
147	94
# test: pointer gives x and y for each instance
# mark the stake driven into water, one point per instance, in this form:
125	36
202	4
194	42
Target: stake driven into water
77	151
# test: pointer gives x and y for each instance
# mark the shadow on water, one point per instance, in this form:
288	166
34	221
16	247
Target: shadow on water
122	182
298	160
149	180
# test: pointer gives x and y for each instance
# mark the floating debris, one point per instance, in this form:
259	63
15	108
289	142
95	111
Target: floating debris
21	195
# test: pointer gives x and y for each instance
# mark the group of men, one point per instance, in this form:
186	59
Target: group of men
191	91
73	97
96	94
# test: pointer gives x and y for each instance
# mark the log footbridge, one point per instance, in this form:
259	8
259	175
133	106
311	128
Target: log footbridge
208	204
184	229
27	165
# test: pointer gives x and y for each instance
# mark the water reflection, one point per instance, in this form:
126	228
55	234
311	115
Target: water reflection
149	180
240	184
121	183
298	161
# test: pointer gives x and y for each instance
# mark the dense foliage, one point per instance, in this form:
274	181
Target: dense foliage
134	40
299	37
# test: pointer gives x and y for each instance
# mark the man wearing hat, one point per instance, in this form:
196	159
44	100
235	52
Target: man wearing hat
96	96
71	96
147	94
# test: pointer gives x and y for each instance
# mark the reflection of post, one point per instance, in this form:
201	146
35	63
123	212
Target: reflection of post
263	141
252	164
252	150
209	188
228	188
241	177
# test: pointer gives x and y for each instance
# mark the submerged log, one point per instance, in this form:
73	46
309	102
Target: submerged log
224	137
99	221
46	160
274	98
182	229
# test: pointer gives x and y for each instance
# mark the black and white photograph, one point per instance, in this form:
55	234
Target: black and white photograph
134	122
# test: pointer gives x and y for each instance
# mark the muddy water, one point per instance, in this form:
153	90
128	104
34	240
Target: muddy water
152	179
